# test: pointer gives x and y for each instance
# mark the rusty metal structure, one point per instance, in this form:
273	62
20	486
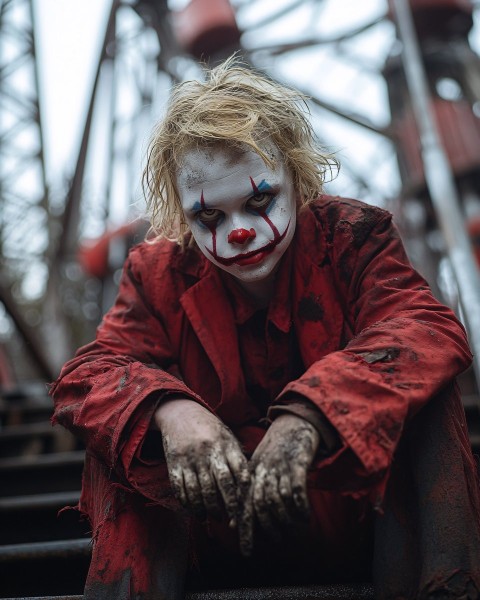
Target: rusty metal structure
146	47
444	163
23	187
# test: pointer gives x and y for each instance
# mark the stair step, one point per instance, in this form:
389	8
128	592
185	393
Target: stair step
471	402
28	439
26	389
475	442
17	408
47	472
48	568
314	592
40	462
41	550
38	501
22	556
25	430
37	518
46	598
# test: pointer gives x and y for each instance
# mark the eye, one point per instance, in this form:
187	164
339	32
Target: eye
208	215
260	200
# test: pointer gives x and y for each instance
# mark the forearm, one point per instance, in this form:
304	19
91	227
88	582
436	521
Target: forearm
330	440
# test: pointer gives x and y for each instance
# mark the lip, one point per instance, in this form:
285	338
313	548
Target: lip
253	257
252	260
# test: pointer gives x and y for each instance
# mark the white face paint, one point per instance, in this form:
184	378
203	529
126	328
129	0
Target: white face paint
242	214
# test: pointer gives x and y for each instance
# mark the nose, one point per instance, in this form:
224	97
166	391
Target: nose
240	236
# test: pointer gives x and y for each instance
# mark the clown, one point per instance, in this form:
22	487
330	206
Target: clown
273	391
242	213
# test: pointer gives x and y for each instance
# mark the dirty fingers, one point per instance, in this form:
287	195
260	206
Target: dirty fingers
205	462
279	470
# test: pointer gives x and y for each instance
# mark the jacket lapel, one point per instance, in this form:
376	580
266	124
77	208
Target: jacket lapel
211	317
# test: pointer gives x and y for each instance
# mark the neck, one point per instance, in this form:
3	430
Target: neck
260	291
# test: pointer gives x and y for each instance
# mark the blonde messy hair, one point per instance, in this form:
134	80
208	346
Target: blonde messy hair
238	107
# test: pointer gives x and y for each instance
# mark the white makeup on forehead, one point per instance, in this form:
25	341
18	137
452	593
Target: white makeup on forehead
242	213
224	167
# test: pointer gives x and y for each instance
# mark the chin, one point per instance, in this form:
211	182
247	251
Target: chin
255	273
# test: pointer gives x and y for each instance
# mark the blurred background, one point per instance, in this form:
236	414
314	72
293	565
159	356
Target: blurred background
82	84
394	88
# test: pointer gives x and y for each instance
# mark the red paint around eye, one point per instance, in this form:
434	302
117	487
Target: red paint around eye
247	258
240	236
263	212
211	226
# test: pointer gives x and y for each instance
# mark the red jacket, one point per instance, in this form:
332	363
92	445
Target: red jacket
375	343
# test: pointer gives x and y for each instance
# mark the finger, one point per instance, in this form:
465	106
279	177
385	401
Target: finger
226	484
262	509
246	525
285	489
209	492
274	500
239	468
194	492
178	485
299	491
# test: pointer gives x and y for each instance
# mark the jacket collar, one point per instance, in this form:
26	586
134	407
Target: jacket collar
208	309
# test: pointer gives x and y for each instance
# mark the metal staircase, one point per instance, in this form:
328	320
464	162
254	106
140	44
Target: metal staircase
42	552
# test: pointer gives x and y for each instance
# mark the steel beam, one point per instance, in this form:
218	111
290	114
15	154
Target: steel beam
440	180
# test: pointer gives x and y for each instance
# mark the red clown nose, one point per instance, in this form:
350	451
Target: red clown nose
240	236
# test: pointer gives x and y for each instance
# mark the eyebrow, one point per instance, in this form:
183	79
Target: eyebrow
199	205
263	186
196	207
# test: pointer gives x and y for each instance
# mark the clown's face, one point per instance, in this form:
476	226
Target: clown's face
242	213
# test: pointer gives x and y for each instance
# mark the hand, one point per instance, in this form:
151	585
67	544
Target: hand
204	459
279	467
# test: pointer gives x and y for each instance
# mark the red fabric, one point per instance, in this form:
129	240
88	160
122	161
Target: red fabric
375	344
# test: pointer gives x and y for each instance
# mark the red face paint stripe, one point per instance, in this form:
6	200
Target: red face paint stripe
212	227
262	212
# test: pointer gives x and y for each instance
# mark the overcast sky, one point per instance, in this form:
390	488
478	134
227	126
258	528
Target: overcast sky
69	34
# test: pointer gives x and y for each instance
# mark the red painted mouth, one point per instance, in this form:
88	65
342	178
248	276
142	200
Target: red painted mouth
253	257
252	260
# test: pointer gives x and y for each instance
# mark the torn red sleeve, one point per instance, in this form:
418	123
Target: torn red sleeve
406	348
107	393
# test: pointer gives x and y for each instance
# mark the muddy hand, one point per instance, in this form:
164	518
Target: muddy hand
206	466
279	472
